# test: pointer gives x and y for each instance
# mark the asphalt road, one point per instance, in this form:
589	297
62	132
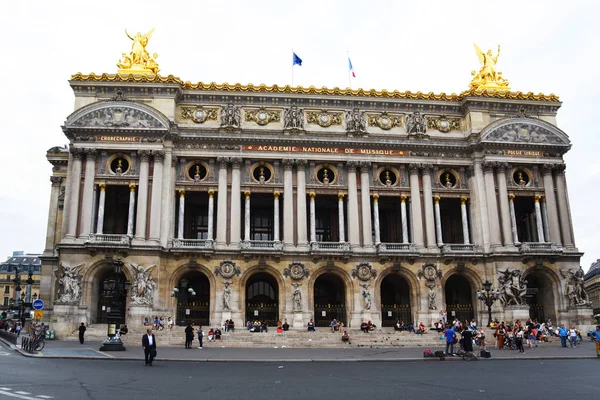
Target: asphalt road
29	378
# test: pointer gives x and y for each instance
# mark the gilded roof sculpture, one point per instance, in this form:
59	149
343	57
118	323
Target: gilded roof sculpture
139	61
488	78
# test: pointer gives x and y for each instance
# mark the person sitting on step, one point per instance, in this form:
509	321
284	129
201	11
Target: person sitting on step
399	326
346	338
311	326
285	326
421	329
218	334
334	325
364	327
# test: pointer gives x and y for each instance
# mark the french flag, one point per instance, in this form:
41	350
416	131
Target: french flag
351	68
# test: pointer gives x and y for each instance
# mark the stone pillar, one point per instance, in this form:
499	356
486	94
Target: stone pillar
513	219
313	220
64	225
156	201
276	216
438	222
131	211
465	220
74	196
235	233
211	215
416	213
52	214
551	209
492	206
353	226
563	207
288	206
430	231
480	219
142	201
87	203
166	198
376	219
545	219
341	218
366	204
301	204
222	203
538	220
504	206
246	216
181	219
101	201
404	220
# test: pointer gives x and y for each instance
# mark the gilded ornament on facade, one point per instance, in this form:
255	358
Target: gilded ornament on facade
199	114
227	269
138	61
385	121
324	118
488	78
364	271
296	271
443	123
262	116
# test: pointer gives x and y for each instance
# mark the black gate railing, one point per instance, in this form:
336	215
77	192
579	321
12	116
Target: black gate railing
263	312
325	313
390	313
9	336
536	311
461	311
193	312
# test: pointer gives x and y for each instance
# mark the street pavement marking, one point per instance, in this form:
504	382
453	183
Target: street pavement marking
41	396
4	353
20	392
5	388
18	396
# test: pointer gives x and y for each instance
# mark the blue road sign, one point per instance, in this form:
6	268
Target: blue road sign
38	304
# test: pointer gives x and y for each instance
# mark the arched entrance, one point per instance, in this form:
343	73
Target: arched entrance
395	300
459	298
540	297
329	299
193	299
262	299
112	297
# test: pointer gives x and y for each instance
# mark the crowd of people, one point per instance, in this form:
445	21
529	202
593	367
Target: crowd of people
159	323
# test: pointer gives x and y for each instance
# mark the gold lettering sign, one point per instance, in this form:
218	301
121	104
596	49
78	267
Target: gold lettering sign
523	153
117	139
330	150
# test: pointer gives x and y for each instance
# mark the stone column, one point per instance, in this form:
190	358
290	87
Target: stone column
288	206
131	211
181	219
365	196
142	201
563	207
74	196
87	203
156	200
438	222
492	206
404	220
246	216
52	214
166	198
545	219
481	222
513	219
353	226
211	215
222	203
465	220
64	225
428	205
376	219
551	209
538	220
313	220
416	213
101	201
301	204
236	199
504	206
276	216
341	218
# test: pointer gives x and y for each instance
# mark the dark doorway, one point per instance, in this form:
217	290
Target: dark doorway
390	220
525	217
459	299
113	297
193	299
330	300
327	228
395	300
116	210
262	299
452	229
540	297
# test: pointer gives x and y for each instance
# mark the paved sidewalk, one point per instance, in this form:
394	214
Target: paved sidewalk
214	353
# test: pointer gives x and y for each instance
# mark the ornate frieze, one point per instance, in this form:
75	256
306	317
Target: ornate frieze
262	116
385	121
364	271
521	132
356	123
227	269
324	118
293	118
230	116
117	116
443	123
430	273
199	114
415	123
296	271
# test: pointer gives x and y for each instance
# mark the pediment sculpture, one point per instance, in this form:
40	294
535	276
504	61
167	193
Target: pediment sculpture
116	116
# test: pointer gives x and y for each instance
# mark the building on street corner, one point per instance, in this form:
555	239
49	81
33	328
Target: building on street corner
268	202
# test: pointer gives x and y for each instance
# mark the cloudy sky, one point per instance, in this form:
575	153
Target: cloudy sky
547	46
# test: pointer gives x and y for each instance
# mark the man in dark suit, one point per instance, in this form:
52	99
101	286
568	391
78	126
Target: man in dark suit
149	346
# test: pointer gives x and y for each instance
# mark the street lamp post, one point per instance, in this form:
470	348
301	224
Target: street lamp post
488	296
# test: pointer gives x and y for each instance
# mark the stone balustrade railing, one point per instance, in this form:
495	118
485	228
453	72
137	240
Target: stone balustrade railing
193	244
109	239
330	246
274	245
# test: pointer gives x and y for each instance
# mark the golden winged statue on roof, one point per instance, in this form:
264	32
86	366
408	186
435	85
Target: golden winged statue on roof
488	78
138	61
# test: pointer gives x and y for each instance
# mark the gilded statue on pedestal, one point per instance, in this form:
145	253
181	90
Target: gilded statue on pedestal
488	78
138	61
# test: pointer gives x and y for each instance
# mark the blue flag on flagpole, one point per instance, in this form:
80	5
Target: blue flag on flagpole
296	60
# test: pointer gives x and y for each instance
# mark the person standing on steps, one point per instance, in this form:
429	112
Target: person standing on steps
200	336
189	336
82	329
149	346
563	333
